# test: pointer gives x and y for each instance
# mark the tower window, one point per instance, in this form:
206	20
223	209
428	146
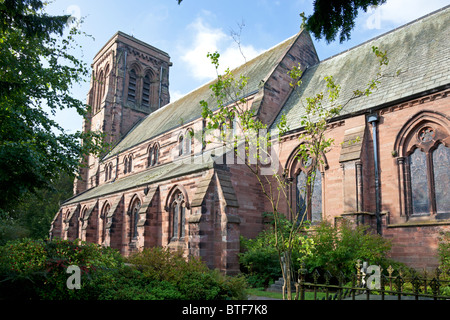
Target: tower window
132	86
146	91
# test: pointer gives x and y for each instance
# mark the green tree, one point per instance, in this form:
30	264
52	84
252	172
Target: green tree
334	17
37	72
36	211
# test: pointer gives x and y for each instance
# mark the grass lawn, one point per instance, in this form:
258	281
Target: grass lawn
260	292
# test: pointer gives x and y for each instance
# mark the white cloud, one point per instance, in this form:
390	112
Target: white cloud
401	12
206	40
175	95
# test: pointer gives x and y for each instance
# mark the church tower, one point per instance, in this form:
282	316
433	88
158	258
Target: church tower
130	79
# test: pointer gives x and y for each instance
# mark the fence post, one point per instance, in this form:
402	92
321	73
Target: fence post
399	283
358	272
341	279
435	286
316	276
301	282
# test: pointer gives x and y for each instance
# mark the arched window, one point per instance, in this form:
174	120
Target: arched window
155	155
78	220
104	221
128	164
189	141
107	174
132	86
134	218
125	165
100	90
429	178
181	145
149	156
108	171
105	77
146	91
178	216
309	192
423	146
441	170
419	182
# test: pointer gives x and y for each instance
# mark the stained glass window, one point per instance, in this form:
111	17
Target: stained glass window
175	219
301	194
426	134
104	215
316	199
441	167
183	220
178	216
419	182
313	192
135	217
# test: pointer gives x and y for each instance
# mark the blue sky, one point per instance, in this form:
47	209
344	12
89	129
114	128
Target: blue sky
187	32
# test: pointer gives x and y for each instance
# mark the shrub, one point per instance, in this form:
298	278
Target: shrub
338	248
444	253
162	264
325	247
36	269
171	276
259	259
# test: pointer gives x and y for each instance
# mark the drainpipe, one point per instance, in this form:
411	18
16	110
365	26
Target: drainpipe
373	119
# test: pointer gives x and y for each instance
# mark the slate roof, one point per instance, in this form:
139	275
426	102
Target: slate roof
419	49
187	108
153	175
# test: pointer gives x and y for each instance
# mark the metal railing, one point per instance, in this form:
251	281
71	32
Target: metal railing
377	284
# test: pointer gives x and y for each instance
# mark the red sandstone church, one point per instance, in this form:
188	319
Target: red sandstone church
396	177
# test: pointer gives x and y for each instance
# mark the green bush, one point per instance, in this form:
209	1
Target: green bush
36	269
324	247
337	248
162	264
171	276
259	259
444	253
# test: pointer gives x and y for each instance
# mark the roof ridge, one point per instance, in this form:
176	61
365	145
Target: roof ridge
388	32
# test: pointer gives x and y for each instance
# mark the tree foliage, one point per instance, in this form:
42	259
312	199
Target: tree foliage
33	214
331	18
37	73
